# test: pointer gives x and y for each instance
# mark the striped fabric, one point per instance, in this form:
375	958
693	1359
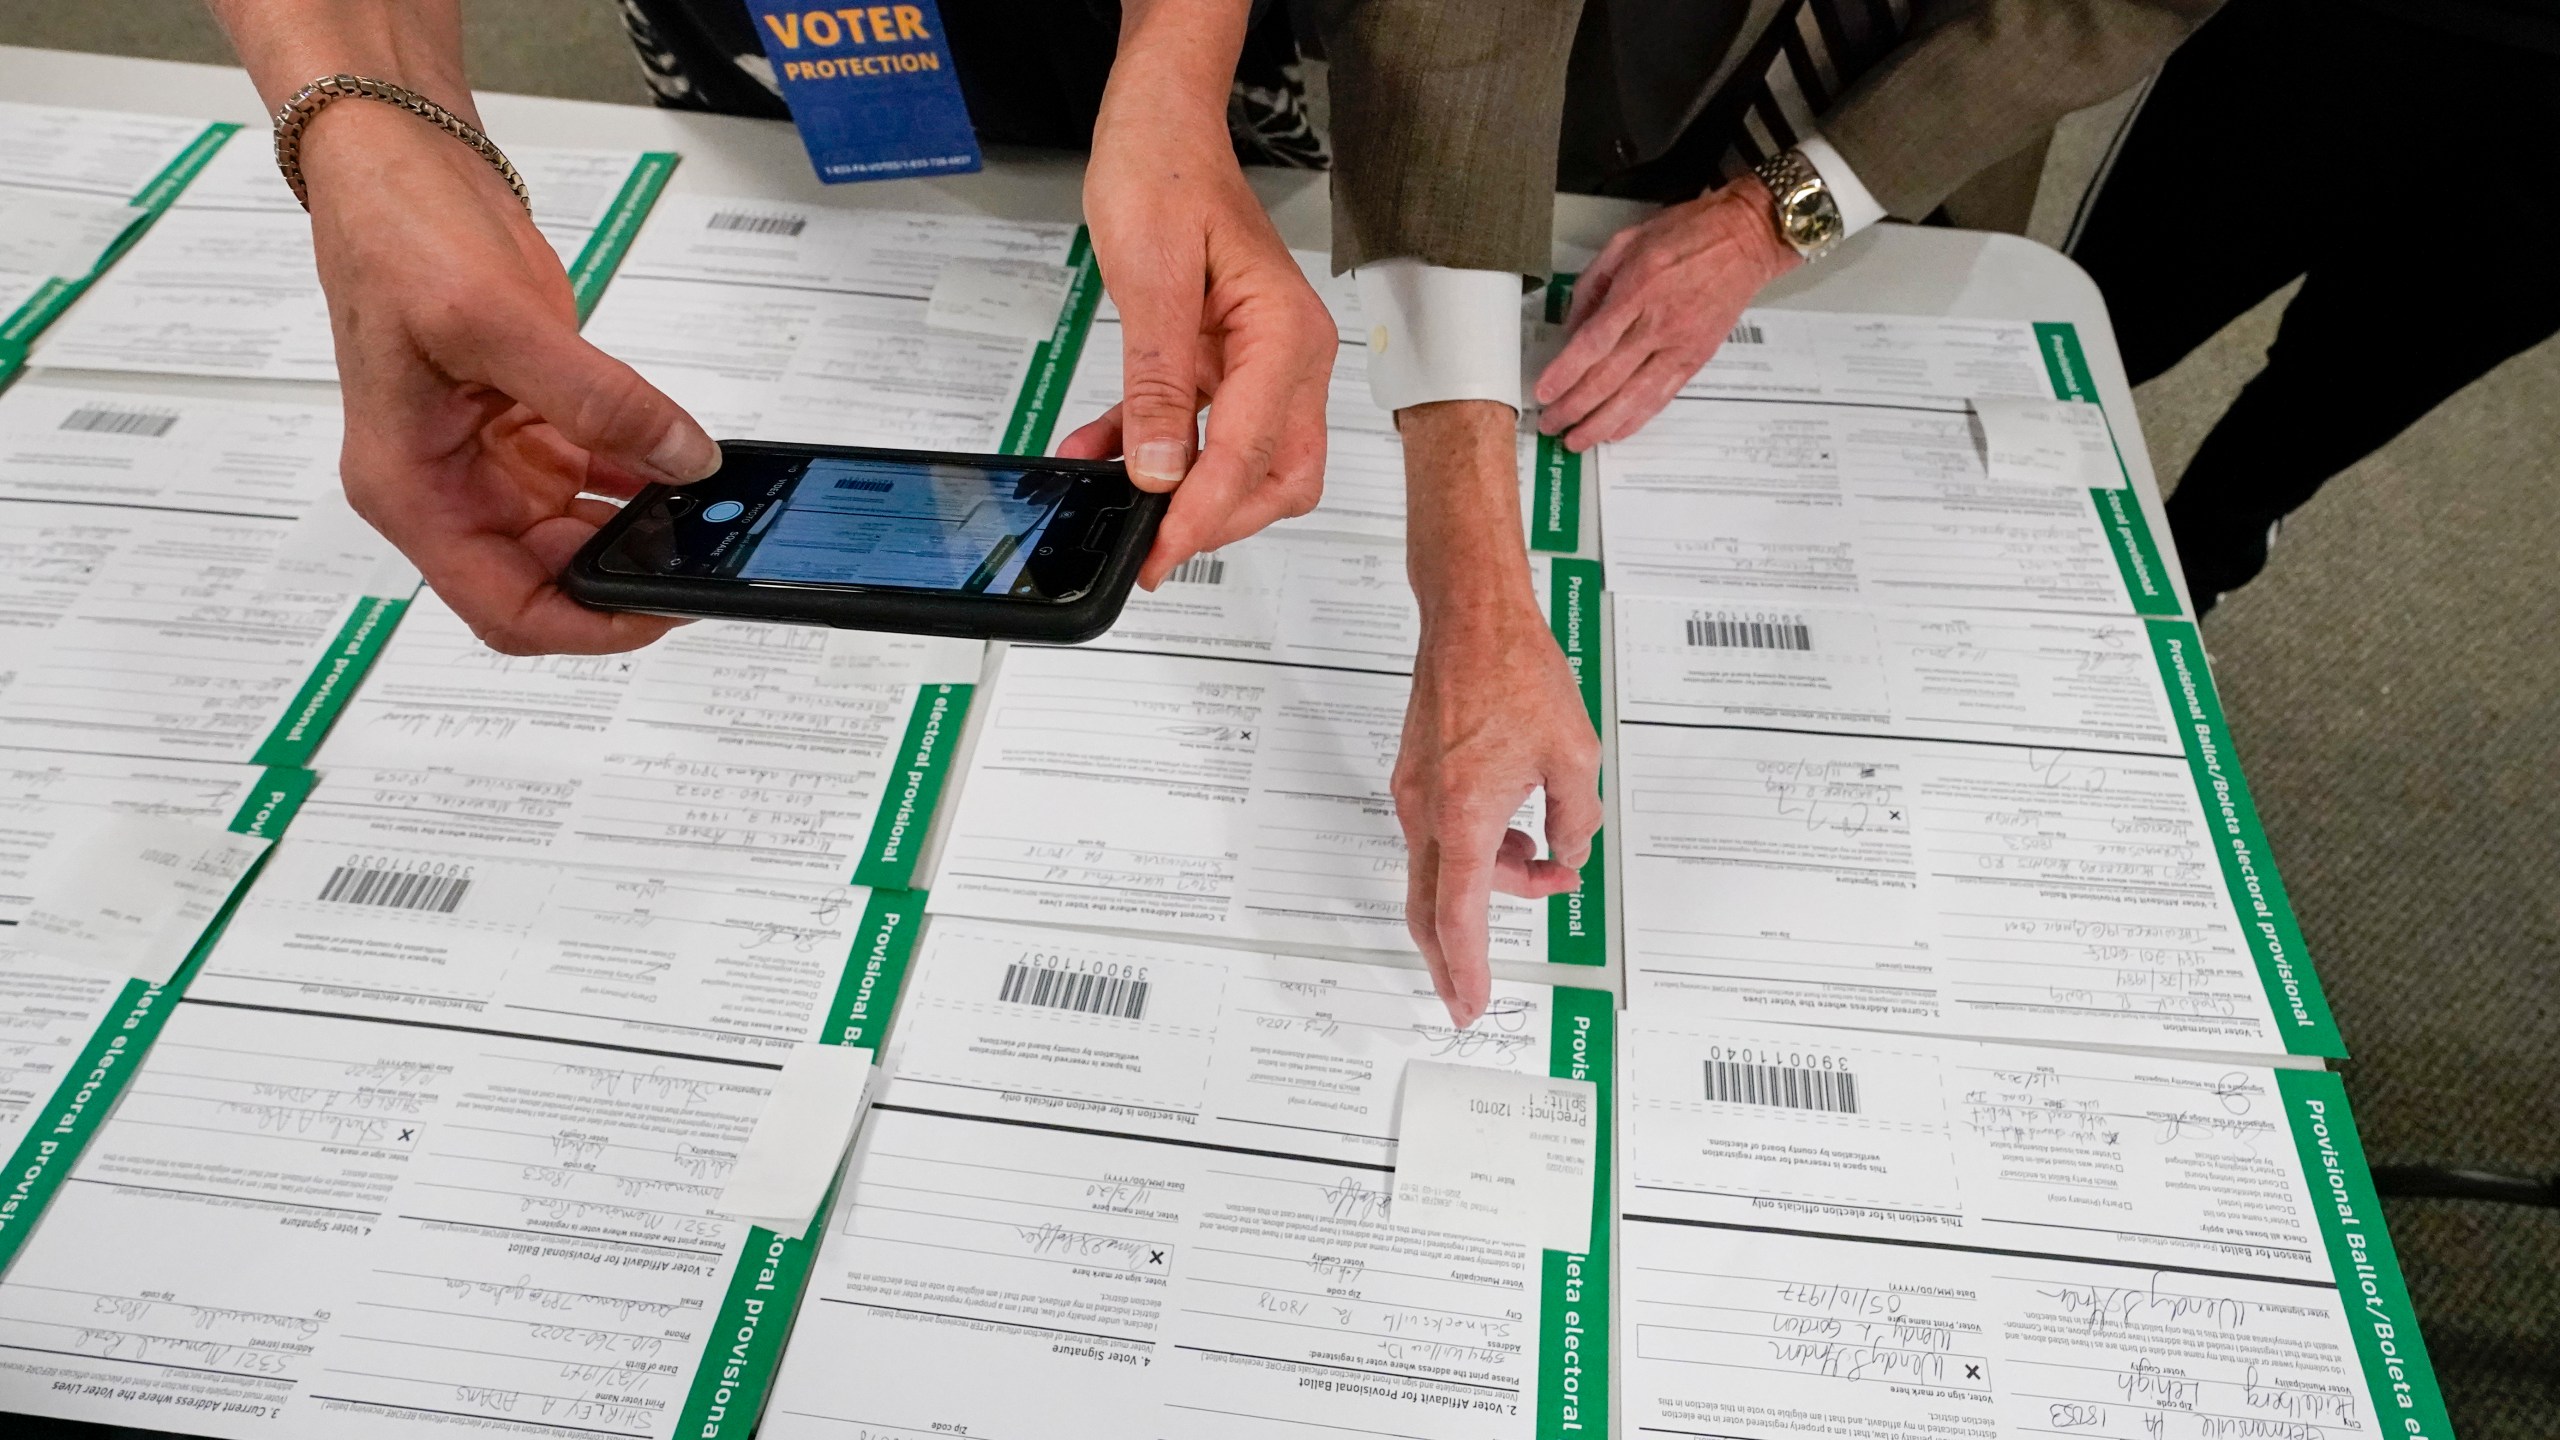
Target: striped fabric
1812	52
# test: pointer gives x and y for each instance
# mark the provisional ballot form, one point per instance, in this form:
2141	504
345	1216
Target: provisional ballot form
334	1209
773	321
1838	457
1240	799
225	284
1829	1232
1987	823
69	1031
75	187
181	577
719	750
1150	1186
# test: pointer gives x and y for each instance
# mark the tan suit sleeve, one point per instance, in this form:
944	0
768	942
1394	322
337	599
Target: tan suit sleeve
1445	117
1976	81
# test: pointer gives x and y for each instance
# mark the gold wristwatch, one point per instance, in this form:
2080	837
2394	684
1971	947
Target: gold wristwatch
1808	216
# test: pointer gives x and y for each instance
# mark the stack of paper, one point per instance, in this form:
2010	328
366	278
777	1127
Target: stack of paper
75	186
453	1113
1153	1186
1830	1230
510	1068
1912	738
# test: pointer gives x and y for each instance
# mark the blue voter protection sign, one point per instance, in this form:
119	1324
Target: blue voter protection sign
871	88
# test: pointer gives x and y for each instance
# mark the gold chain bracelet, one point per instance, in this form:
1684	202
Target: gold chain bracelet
294	116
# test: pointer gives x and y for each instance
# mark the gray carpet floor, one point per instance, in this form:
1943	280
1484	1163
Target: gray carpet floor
2394	682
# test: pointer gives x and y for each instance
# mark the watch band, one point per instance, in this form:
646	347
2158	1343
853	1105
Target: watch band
1807	214
294	116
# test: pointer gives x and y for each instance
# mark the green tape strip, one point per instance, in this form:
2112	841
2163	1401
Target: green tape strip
51	299
2407	1402
1555	494
274	801
1573	613
2146	579
611	239
736	1370
332	682
2058	341
1560	295
1053	362
2248	870
918	770
747	1332
876	969
41	309
1576	920
96	1078
1573	1316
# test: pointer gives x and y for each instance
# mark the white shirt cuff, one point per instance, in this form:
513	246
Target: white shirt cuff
1858	209
1440	334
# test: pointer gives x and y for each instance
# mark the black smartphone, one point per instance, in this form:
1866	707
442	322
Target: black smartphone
996	547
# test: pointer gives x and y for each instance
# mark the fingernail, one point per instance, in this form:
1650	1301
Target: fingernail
685	454
1166	460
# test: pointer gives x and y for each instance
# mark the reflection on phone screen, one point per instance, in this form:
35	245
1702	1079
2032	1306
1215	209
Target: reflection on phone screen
928	527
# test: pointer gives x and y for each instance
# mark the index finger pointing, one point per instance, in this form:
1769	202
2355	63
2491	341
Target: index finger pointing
1465	886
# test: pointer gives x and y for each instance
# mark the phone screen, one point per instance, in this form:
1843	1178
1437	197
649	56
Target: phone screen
797	519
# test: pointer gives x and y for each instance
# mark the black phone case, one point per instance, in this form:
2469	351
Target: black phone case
975	617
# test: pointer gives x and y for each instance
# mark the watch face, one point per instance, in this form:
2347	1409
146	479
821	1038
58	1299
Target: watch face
1811	218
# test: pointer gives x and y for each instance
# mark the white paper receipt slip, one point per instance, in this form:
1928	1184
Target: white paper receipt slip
132	893
2058	443
1497	1155
800	1139
1015	299
864	657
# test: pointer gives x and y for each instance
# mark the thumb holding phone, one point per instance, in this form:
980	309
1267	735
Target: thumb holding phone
1212	306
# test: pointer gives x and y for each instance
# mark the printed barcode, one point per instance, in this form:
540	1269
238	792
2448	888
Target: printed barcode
1746	333
395	889
1200	570
746	224
153	423
874	487
1724	632
1082	991
1789	1087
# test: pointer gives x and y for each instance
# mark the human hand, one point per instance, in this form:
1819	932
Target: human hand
1654	307
1495	714
1212	307
476	416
